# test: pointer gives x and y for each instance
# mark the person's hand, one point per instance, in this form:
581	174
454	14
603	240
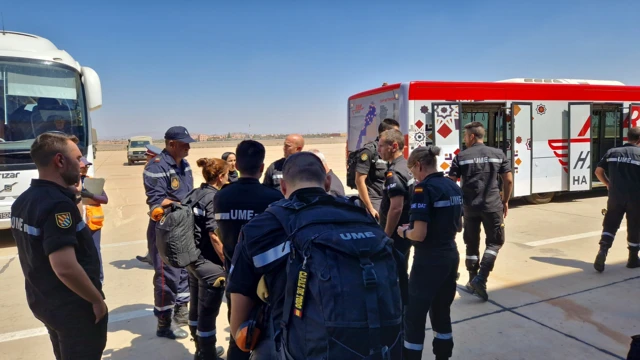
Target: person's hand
401	229
375	214
86	194
99	310
505	208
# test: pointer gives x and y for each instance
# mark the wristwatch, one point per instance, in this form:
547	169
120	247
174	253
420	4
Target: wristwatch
404	233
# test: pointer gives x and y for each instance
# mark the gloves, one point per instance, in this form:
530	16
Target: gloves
219	282
86	194
156	214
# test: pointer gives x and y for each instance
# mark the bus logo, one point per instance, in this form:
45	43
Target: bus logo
560	147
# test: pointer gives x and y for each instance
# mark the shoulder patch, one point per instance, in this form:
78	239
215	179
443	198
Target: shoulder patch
157	159
64	220
418	190
364	157
390	174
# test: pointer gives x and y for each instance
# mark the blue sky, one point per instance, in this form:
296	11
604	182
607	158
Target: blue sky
285	66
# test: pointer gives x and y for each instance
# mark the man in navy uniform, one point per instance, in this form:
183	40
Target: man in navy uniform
152	151
167	179
57	254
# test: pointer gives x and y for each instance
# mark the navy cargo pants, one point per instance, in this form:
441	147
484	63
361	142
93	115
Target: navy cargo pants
170	285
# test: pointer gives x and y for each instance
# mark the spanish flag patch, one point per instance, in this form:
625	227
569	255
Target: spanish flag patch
418	190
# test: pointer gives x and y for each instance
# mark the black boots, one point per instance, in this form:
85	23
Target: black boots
167	328
472	274
634	351
479	284
633	261
181	315
598	264
207	349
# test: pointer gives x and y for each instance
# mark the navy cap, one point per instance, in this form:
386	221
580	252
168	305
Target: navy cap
178	133
153	150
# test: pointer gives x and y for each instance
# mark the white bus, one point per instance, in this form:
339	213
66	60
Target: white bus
554	131
43	89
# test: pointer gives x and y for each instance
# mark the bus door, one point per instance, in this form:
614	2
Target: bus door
632	119
446	133
521	148
580	146
607	131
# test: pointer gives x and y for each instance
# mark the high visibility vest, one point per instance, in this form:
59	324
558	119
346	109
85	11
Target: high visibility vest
95	216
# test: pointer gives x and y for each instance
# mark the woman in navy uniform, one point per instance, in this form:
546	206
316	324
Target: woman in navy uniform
207	275
435	218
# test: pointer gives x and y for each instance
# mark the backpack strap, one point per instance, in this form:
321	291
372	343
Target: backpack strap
371	300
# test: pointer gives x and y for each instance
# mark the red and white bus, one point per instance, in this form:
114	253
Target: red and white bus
554	131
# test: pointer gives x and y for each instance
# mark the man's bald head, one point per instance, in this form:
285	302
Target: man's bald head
303	170
293	144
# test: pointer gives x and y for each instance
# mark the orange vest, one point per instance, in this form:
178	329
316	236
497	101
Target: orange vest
95	216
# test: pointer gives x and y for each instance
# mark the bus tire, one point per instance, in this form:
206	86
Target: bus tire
540	198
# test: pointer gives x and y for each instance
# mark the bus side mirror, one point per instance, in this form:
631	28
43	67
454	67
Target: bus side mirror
92	88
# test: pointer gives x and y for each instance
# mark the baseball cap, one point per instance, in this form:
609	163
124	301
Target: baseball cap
85	161
153	150
178	133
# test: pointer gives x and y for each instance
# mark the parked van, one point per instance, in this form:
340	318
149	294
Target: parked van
136	147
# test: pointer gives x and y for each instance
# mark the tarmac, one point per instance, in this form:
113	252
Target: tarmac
545	299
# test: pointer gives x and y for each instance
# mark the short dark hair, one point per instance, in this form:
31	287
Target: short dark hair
634	134
226	155
48	144
387	124
392	136
476	128
304	166
249	157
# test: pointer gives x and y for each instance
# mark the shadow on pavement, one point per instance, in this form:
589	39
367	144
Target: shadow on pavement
6	240
572	263
140	334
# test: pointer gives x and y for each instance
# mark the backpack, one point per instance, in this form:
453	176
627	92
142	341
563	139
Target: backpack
346	283
352	162
175	231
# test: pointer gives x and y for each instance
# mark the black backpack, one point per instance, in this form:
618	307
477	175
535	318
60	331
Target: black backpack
175	233
346	283
352	161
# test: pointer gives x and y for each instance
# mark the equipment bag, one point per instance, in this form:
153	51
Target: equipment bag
346	283
352	162
95	217
175	234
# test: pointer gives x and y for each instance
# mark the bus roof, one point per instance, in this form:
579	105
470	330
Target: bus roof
23	45
511	90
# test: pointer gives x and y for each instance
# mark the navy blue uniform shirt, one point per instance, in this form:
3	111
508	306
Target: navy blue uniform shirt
479	167
622	166
164	179
205	221
437	200
45	219
237	203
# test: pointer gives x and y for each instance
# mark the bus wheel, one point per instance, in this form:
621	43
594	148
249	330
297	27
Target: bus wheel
541	198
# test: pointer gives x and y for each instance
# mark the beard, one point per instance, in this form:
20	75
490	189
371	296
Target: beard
70	176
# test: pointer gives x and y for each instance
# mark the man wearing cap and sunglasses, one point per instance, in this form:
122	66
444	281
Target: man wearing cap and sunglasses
168	178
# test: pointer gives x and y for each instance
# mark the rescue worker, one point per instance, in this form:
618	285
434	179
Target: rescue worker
398	187
167	179
293	143
479	167
230	158
207	275
93	213
260	243
238	203
435	218
152	151
370	173
619	170
58	257
336	189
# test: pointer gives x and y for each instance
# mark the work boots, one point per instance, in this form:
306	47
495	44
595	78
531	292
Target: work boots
598	264
634	350
208	349
479	285
472	274
168	329
633	261
181	315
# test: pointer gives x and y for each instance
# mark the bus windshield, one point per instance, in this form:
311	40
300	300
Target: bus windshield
38	96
